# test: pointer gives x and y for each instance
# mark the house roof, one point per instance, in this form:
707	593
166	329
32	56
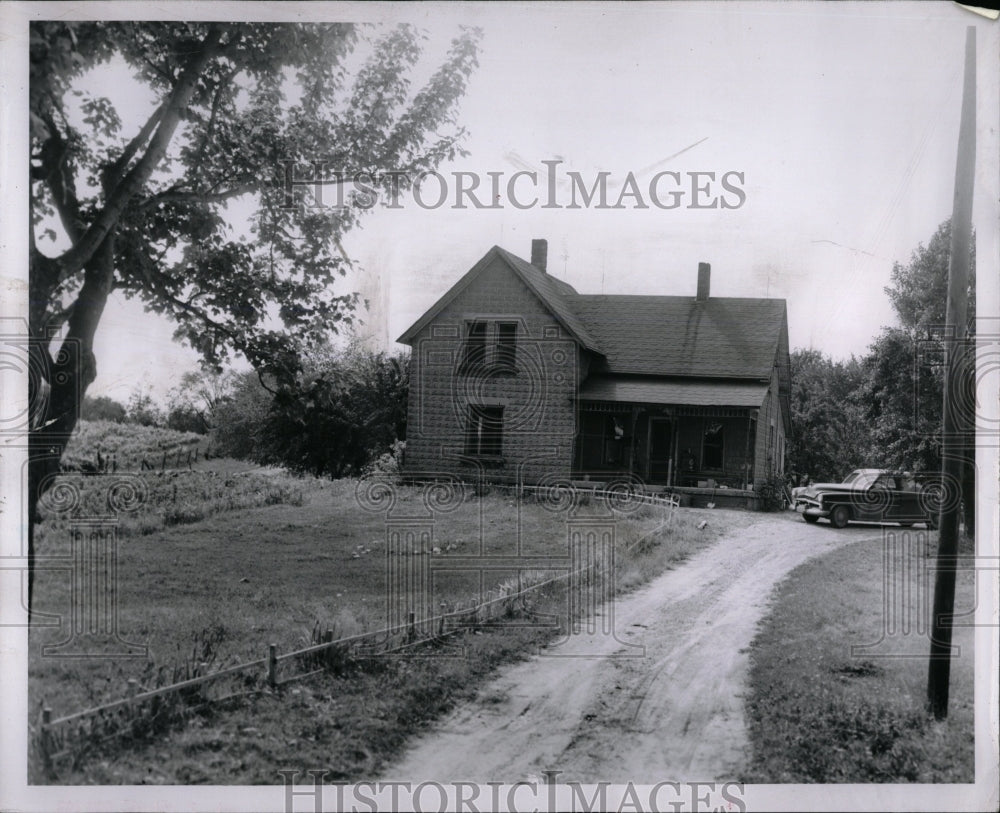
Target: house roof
553	293
660	391
558	297
721	337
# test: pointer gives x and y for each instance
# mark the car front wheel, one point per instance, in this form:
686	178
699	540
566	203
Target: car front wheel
809	519
840	516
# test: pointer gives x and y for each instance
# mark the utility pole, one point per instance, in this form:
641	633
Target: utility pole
953	447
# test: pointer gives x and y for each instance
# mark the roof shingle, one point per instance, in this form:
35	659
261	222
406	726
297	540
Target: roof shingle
721	337
557	295
553	293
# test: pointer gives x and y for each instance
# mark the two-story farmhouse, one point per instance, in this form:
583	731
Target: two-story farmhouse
516	377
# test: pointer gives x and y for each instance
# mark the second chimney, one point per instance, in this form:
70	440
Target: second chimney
539	253
704	278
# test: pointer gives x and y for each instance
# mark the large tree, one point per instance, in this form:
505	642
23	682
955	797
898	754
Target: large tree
901	403
828	438
906	375
919	289
149	213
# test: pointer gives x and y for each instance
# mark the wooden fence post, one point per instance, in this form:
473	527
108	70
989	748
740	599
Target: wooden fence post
44	742
411	632
131	691
272	665
328	653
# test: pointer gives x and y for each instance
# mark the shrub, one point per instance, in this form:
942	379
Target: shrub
388	465
771	493
143	410
102	408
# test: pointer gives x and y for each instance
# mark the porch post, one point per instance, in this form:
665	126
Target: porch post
746	457
631	442
674	453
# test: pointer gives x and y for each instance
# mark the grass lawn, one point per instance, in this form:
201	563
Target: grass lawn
819	712
221	588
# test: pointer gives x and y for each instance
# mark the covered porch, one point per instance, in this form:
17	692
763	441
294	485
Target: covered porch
697	437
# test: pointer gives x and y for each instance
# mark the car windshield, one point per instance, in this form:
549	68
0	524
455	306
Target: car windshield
861	478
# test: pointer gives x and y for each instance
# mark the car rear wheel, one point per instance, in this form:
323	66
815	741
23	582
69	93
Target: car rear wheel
840	516
809	519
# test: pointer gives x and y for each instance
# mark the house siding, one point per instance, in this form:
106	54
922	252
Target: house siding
539	401
561	339
766	457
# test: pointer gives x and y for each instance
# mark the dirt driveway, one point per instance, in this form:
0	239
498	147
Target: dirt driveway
661	699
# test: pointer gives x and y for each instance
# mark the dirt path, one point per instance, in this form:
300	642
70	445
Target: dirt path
659	700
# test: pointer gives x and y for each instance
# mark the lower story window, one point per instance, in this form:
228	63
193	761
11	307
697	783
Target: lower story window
484	436
602	442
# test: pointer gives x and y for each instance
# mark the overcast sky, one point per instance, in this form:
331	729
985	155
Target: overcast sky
841	118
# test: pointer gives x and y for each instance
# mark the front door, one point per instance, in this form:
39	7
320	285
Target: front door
661	432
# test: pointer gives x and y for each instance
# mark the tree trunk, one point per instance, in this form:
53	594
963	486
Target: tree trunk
74	368
68	376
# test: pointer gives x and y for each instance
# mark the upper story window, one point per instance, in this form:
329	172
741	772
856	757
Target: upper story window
506	355
490	344
475	345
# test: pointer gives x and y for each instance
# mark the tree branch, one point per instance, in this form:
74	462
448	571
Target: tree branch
260	378
57	174
210	126
122	194
114	172
149	271
172	195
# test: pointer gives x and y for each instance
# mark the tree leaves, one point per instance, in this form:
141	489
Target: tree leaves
149	212
263	94
349	408
919	290
886	409
827	438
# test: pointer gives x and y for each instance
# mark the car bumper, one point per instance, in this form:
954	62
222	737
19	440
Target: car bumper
811	510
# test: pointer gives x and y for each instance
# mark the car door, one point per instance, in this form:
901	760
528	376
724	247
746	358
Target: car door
906	501
880	502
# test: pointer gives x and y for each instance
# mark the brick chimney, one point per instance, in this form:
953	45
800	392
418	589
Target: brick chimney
539	253
704	277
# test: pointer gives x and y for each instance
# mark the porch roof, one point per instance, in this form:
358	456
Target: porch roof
659	391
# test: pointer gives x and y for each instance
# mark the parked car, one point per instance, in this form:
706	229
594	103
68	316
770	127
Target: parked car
872	495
